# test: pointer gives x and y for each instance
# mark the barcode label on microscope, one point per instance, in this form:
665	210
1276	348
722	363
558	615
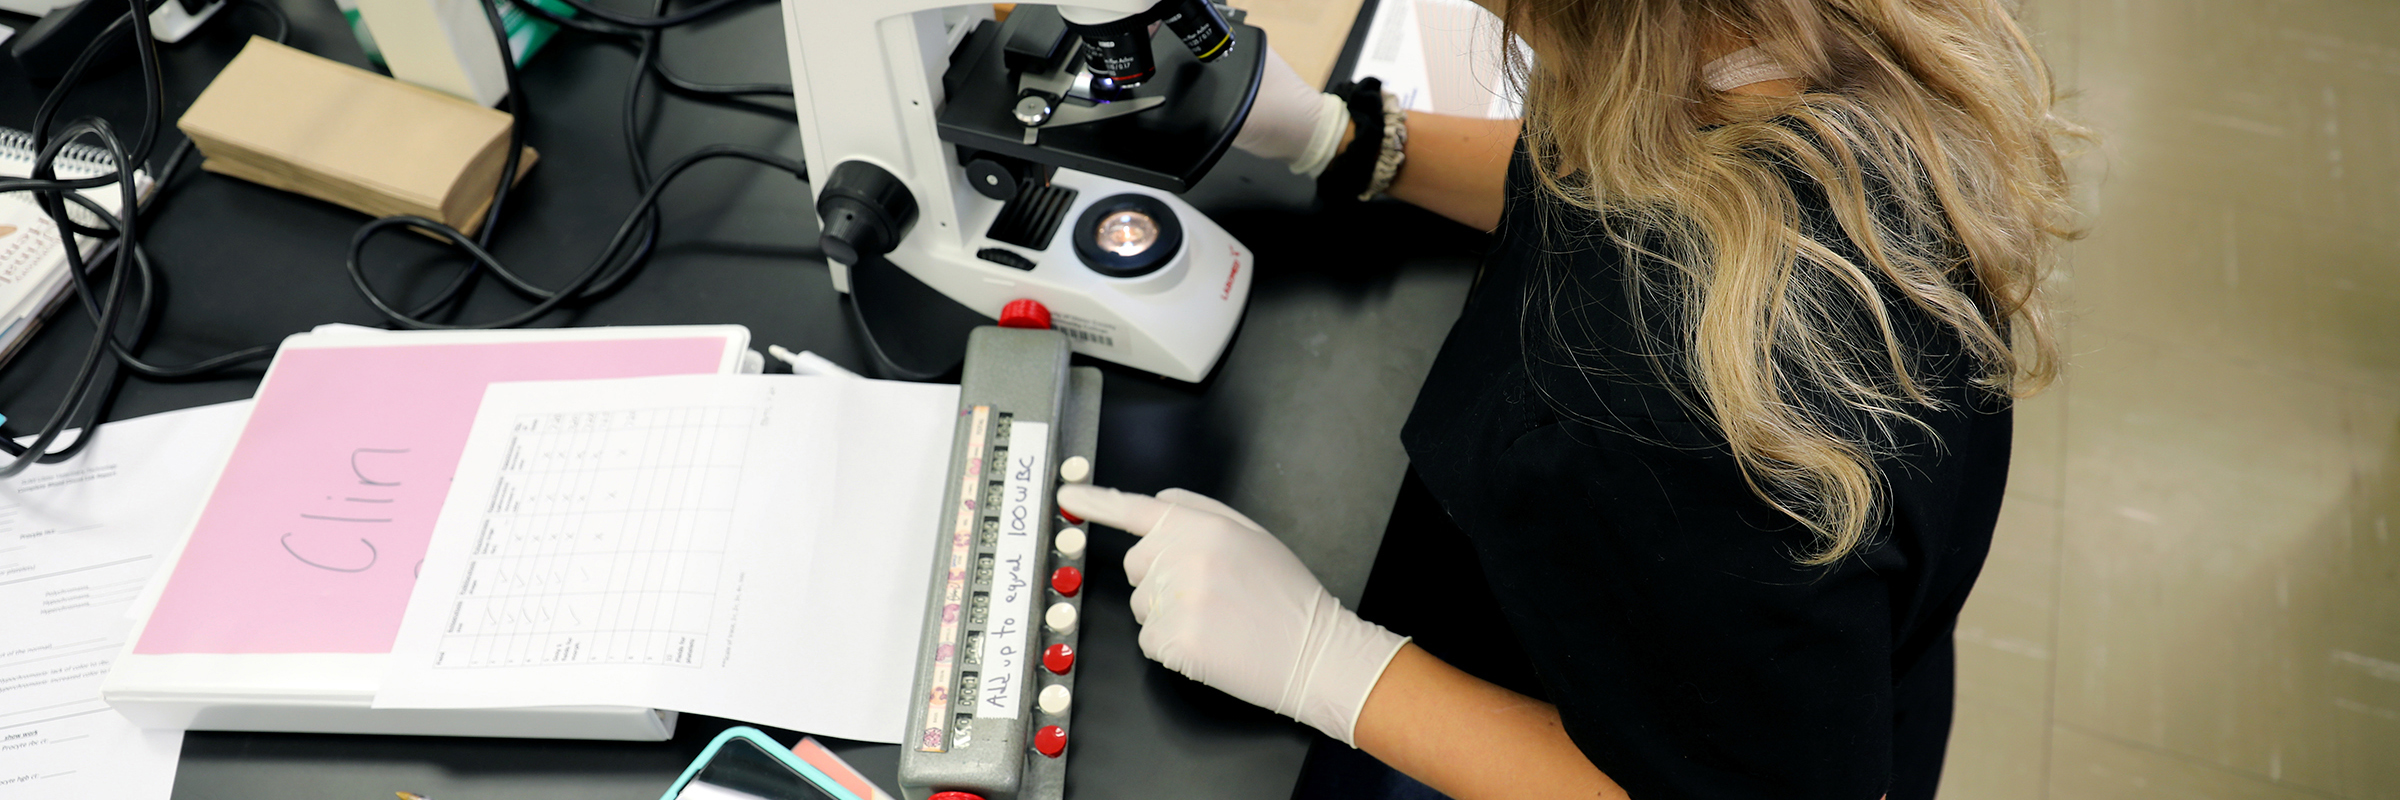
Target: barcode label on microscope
1094	338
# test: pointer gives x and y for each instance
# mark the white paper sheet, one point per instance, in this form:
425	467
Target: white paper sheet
745	546
77	542
1440	56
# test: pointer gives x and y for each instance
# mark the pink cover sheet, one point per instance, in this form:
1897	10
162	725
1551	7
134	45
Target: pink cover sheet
311	541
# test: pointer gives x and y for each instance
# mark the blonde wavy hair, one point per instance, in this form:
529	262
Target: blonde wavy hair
1929	126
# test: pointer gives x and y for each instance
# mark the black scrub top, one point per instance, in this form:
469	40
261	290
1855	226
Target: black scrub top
1571	530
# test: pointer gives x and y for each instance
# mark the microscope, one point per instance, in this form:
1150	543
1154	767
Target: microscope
1027	168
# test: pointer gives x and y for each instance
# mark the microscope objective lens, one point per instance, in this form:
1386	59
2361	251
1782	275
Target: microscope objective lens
1127	233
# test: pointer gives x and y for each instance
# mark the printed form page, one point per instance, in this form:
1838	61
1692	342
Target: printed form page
78	540
752	547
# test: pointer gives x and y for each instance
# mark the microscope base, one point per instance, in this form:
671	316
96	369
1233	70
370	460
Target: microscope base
1174	321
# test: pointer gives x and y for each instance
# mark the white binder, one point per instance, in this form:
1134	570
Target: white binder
312	692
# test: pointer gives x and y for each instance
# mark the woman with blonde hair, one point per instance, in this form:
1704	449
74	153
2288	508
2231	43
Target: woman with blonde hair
1710	460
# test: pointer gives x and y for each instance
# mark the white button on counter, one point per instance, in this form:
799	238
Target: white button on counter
1076	469
1069	542
1060	618
1054	699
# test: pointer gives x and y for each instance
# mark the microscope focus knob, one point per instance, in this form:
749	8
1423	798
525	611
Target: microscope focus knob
862	210
997	177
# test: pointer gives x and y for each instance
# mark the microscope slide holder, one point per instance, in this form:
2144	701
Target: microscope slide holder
1002	583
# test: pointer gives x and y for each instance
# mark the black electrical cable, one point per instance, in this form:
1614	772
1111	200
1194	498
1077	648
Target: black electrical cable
610	268
720	90
79	389
465	280
162	179
153	97
658	66
637	158
49	194
113	353
885	366
132	263
570	23
647	57
121	248
125	352
477	245
650	22
625	231
516	126
47	113
283	22
458	286
144	307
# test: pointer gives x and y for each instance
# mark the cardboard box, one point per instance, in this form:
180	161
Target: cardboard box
298	122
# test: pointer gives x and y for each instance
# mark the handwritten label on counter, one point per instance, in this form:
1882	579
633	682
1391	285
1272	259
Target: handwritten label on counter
1007	639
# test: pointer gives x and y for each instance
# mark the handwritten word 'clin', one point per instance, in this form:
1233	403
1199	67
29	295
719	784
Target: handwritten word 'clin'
366	516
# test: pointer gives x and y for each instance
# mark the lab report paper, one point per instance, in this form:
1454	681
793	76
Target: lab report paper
752	547
77	542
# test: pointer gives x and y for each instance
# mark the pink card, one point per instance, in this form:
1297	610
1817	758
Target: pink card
809	750
312	539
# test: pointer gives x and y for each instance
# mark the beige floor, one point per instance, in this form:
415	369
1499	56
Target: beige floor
2195	589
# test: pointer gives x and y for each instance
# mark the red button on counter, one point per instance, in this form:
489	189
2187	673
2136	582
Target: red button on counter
1058	658
1067	580
1025	314
1051	740
954	796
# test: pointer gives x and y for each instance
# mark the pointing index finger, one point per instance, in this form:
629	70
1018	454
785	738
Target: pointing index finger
1132	513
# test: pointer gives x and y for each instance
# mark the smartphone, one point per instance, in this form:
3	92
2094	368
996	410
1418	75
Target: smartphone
743	763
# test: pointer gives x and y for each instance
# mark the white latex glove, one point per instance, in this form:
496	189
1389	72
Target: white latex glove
1227	604
1291	121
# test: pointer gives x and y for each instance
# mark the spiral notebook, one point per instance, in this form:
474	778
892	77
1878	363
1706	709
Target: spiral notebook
33	261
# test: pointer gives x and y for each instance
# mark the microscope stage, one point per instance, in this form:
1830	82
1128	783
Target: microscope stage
1166	148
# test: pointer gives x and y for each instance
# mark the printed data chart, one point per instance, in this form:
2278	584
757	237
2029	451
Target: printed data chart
604	540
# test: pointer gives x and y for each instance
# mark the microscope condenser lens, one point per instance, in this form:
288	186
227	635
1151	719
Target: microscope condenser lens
1126	233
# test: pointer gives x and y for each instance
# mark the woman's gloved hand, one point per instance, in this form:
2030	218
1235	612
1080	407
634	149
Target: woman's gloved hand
1293	122
1227	604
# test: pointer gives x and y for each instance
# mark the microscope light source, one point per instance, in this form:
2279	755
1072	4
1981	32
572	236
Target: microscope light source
1126	233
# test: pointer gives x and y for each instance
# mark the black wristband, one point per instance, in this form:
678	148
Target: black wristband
1346	176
